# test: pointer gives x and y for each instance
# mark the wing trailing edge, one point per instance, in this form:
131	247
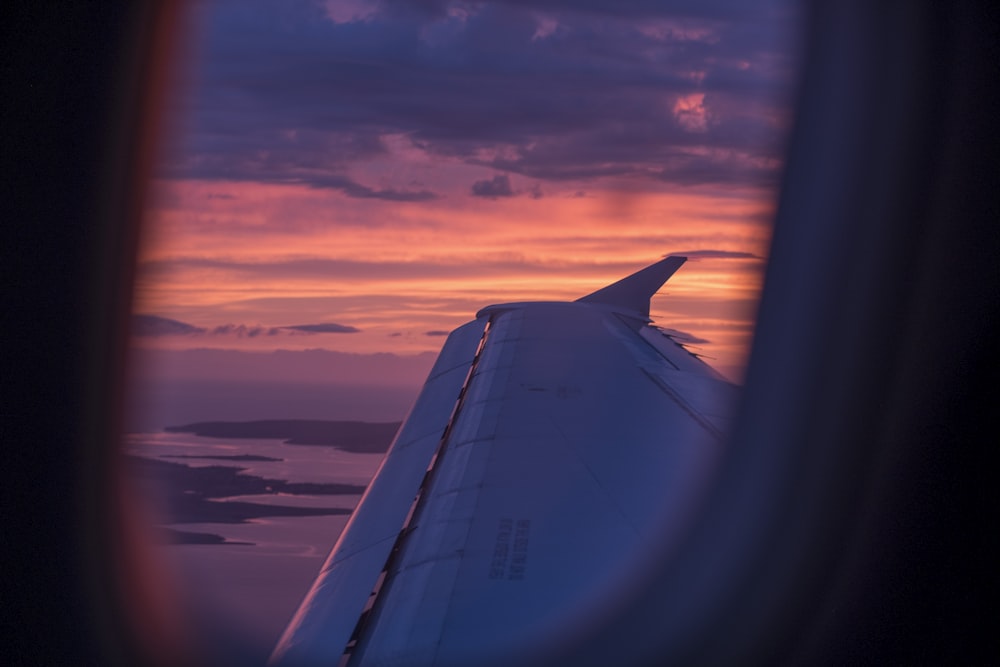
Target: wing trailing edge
635	291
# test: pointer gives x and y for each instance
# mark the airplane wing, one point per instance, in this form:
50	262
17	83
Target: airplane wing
554	455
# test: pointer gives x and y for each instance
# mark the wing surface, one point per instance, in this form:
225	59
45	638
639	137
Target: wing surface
574	452
322	626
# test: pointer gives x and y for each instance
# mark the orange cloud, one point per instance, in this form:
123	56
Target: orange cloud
266	254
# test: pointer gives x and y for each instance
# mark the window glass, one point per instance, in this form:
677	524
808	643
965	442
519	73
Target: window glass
345	182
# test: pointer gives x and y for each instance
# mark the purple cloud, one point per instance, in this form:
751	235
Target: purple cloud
325	327
678	92
716	254
498	186
683	337
353	189
155	326
244	331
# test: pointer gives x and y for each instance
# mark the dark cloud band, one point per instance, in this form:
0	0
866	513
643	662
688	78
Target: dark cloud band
551	89
156	326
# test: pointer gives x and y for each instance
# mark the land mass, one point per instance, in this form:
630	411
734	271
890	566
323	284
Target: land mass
221	457
351	436
191	495
171	536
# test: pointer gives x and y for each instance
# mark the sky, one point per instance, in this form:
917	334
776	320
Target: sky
358	178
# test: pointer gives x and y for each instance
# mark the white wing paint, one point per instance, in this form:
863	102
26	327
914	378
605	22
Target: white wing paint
554	455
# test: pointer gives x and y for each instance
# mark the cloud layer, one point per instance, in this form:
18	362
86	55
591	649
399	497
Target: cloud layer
385	168
154	326
677	93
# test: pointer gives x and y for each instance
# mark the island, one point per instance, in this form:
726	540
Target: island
193	495
351	436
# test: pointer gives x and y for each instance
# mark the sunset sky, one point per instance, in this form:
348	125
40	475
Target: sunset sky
362	177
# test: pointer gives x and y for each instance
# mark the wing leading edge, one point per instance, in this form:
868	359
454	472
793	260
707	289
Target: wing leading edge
555	453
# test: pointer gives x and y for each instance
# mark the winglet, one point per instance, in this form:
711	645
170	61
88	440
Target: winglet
635	291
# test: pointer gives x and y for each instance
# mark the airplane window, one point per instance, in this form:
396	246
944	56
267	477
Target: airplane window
344	183
339	175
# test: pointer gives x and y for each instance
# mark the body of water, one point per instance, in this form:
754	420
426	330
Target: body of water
240	594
